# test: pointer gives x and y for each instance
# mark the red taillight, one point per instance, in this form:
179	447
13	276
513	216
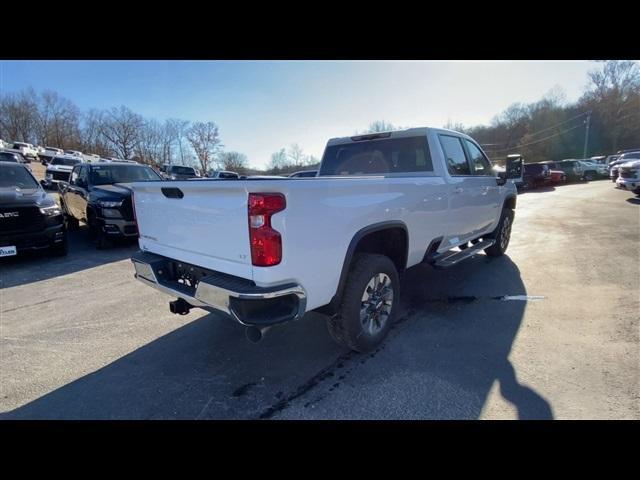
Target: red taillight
266	243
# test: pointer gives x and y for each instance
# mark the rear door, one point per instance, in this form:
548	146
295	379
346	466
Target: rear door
463	209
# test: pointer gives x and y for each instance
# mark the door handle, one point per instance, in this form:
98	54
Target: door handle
458	190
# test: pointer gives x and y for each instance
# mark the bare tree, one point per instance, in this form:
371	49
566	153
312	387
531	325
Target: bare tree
122	129
296	155
91	138
380	126
278	160
18	116
204	137
234	161
614	96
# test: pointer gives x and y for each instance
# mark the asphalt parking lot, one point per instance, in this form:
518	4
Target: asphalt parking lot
82	339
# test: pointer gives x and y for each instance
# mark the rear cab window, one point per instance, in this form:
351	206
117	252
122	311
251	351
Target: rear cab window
380	156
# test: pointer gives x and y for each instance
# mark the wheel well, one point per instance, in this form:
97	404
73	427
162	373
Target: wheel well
510	203
391	242
388	238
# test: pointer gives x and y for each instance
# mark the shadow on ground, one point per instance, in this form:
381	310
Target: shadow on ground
36	266
452	328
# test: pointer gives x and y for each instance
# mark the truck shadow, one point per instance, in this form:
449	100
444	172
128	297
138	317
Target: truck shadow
36	266
451	328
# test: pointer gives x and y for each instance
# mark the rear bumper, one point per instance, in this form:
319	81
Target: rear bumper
246	302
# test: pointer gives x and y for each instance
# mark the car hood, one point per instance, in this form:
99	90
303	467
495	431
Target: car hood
25	197
630	165
118	190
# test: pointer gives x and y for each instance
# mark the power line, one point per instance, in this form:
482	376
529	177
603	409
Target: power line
548	128
537	141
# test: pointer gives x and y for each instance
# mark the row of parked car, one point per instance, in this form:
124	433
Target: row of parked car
91	192
624	170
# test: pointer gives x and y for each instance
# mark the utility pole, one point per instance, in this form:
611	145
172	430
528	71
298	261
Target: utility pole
586	136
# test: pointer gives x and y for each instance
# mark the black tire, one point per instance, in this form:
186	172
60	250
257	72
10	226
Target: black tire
347	328
102	242
501	235
71	223
589	176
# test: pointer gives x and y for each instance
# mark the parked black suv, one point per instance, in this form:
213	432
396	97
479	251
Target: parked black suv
93	195
536	175
30	219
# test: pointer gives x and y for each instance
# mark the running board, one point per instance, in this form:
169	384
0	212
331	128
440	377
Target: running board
451	258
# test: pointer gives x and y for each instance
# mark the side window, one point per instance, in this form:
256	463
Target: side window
454	155
479	162
74	175
84	174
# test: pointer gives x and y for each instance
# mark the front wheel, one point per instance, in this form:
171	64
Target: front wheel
369	303
60	249
502	234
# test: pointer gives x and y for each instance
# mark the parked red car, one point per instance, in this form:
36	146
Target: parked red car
558	176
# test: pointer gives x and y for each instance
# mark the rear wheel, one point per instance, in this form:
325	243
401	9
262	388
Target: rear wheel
502	234
369	303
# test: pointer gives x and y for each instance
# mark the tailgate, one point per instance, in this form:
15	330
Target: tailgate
204	223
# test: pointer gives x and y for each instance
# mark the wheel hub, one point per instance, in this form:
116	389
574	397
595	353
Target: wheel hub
377	301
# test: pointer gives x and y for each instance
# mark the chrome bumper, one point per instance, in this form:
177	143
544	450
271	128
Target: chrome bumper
213	293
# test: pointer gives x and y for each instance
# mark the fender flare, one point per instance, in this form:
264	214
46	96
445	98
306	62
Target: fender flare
333	305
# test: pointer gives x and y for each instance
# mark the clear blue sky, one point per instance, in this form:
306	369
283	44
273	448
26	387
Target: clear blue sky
262	106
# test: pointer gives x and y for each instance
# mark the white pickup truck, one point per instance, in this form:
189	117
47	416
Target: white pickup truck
266	251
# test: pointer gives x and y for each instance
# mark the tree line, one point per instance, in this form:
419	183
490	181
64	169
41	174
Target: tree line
47	119
552	129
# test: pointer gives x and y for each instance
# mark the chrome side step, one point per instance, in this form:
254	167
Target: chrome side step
450	258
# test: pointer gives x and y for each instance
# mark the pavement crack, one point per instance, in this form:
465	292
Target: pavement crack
26	306
307	386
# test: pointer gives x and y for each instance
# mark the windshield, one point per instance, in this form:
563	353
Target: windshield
12	176
182	170
8	157
65	161
377	157
108	174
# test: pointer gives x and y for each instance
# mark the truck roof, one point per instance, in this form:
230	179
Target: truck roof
407	132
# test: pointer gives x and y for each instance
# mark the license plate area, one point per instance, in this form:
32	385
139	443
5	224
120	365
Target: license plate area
8	251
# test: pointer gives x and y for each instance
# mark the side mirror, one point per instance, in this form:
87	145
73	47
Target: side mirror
514	167
502	178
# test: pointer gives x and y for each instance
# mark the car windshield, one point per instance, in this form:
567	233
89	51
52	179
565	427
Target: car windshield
377	157
183	170
8	157
65	161
16	176
109	174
